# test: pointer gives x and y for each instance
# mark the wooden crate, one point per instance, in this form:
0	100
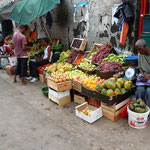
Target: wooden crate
82	44
42	78
60	101
114	112
79	99
77	86
95	46
60	87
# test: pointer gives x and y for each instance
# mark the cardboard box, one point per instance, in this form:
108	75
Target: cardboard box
78	44
96	113
114	112
59	94
59	87
79	99
60	101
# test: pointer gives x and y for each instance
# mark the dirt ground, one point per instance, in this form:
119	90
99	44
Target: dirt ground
29	121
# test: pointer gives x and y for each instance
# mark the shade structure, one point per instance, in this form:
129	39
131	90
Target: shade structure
28	10
7	9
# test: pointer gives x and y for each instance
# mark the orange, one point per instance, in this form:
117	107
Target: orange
94	82
88	85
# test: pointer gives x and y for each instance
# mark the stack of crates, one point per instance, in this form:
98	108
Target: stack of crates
146	28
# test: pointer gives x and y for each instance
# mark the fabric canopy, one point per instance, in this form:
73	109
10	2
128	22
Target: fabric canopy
7	9
28	10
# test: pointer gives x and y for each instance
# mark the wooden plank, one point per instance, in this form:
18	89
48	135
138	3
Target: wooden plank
77	86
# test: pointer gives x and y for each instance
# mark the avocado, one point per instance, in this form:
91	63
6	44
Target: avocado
146	109
142	105
135	105
139	100
137	109
131	107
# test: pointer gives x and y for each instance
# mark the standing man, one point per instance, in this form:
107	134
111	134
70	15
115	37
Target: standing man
20	45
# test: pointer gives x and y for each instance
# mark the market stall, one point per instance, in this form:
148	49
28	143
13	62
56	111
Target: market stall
98	81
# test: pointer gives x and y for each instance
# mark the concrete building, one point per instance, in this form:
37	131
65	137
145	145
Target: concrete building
98	28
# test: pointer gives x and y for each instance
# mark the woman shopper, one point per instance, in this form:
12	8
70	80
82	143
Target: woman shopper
46	60
20	46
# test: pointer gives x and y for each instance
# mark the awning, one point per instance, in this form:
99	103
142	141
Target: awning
28	10
7	9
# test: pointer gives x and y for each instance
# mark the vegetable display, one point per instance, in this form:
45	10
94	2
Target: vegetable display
102	53
138	106
110	66
72	56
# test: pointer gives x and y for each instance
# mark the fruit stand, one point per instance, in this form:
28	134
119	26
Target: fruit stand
96	81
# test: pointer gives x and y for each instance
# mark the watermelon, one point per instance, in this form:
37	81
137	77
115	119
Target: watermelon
121	81
117	91
118	85
127	85
99	87
104	92
123	91
110	92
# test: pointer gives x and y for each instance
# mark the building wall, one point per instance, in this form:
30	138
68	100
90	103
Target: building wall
100	27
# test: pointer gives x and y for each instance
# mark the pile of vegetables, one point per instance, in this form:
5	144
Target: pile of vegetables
102	53
138	106
72	56
110	66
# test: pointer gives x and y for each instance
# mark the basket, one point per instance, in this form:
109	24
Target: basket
45	91
58	47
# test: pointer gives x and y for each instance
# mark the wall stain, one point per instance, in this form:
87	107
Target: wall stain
105	34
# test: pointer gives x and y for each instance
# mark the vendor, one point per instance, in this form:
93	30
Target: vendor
143	80
45	60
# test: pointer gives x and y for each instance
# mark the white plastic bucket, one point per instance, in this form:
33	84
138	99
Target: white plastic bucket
137	120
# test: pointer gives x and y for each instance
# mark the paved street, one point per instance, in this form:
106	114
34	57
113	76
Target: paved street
29	121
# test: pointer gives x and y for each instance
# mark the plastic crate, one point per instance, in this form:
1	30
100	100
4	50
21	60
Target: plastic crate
146	37
131	60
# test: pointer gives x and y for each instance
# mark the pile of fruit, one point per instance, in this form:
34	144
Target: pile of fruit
76	74
87	66
110	66
86	111
64	56
115	58
61	67
102	53
72	56
91	81
58	77
36	49
138	106
114	86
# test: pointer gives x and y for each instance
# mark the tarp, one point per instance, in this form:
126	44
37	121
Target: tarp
28	10
7	9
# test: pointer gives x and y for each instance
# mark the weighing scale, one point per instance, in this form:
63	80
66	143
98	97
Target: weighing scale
131	73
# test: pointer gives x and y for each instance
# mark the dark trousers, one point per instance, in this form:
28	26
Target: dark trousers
33	65
21	68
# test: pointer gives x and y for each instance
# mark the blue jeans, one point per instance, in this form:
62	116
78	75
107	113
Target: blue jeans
142	92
